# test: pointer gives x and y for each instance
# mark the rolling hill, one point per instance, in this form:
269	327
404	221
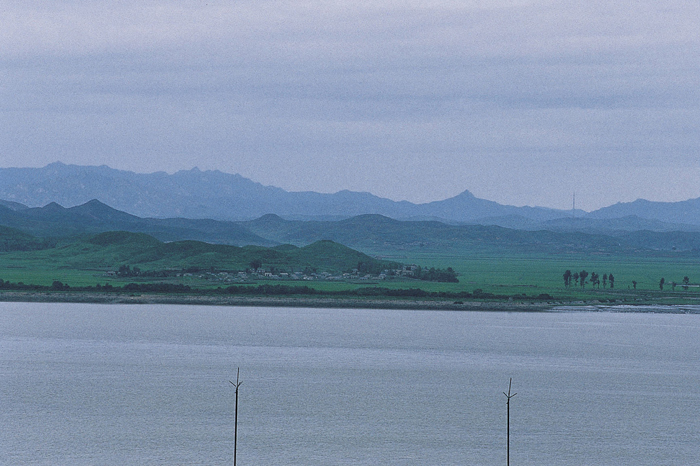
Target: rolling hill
12	239
683	212
113	249
56	221
378	234
374	234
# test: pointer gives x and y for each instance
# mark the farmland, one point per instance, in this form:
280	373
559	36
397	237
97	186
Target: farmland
365	255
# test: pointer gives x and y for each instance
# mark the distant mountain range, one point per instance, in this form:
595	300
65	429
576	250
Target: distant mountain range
93	217
24	228
222	196
196	194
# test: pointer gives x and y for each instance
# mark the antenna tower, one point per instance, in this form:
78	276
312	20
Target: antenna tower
235	422
508	397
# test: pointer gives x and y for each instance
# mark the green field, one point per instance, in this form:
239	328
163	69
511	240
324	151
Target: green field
503	274
535	273
80	250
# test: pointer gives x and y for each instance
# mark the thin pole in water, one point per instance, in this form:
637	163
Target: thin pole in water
508	397
235	422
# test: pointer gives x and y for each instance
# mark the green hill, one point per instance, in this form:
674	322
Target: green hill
110	250
328	255
373	234
12	239
119	238
380	234
93	217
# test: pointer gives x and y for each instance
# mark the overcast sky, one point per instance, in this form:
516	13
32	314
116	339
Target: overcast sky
521	102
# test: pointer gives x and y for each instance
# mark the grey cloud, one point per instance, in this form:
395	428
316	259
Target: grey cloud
374	95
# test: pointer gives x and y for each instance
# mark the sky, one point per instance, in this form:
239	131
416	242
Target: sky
521	102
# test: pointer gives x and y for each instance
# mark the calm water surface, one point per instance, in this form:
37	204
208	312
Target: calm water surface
91	384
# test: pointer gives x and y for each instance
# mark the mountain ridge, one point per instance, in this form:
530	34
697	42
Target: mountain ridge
212	194
368	233
54	220
222	196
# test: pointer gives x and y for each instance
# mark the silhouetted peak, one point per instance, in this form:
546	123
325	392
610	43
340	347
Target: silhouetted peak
269	219
52	207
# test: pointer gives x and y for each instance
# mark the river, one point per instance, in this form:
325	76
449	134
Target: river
87	384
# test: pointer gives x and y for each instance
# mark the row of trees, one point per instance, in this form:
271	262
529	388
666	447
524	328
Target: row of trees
432	274
129	287
125	271
686	282
579	278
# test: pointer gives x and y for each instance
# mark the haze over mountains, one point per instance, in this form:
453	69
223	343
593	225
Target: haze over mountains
370	233
93	217
195	194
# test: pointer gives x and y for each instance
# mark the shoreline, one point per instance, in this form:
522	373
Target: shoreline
340	303
272	301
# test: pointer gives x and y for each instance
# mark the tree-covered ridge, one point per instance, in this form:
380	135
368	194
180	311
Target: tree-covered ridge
369	233
116	249
12	239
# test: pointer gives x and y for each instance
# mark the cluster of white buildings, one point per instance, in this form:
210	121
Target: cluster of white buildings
264	274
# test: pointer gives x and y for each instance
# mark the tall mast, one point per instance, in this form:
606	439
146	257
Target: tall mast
508	397
235	422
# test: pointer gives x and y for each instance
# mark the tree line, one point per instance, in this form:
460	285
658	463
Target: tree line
580	279
267	290
432	274
685	283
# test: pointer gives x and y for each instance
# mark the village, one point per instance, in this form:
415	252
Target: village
250	275
254	274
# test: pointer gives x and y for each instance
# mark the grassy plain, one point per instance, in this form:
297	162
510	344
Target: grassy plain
534	273
500	273
497	261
